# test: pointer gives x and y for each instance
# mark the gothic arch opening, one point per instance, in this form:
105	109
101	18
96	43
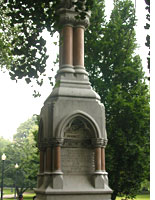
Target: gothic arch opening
77	152
79	125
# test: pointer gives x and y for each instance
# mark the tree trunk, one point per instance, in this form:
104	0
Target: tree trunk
114	195
20	190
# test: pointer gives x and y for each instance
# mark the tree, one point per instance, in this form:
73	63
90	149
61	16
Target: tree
22	151
26	128
6	35
116	74
147	26
25	52
3	145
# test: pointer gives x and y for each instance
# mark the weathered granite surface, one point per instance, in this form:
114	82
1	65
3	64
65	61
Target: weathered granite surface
72	132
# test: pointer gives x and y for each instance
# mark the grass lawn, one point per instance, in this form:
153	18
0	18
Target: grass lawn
8	191
25	198
29	194
138	197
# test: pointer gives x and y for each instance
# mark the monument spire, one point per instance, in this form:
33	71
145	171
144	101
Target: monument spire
72	135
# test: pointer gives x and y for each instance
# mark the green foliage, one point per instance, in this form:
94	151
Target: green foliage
23	50
26	128
6	35
138	197
147	26
30	18
22	151
145	186
3	144
116	74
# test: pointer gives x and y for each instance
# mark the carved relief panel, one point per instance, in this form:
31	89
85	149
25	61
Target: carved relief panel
77	154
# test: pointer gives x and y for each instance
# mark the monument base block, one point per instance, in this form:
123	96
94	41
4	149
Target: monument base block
75	196
76	187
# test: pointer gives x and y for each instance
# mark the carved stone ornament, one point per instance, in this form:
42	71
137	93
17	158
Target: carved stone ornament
99	142
105	142
68	15
68	4
56	141
78	129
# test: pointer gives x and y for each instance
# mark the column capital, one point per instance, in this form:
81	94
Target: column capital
50	142
56	141
99	142
68	16
105	142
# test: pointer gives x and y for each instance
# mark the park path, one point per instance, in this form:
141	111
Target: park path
8	196
11	196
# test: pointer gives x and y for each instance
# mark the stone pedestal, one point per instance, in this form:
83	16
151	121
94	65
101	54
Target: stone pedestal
72	135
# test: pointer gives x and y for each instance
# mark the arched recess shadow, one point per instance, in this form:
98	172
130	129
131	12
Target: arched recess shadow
82	115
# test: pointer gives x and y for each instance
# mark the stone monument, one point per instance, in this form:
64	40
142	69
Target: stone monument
72	134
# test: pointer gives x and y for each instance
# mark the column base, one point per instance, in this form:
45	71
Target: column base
74	187
66	69
100	179
40	180
57	181
52	180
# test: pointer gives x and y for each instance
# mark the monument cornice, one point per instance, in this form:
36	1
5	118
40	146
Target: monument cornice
50	142
55	141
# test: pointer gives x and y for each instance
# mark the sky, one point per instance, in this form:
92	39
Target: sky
16	101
